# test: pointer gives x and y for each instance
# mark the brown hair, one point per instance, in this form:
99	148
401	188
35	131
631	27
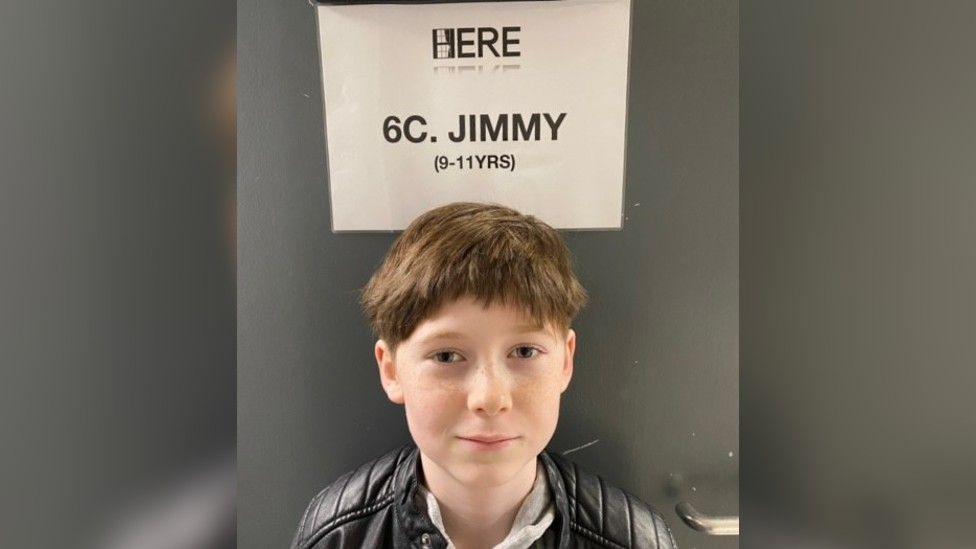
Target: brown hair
485	251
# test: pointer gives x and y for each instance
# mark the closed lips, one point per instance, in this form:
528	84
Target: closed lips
488	439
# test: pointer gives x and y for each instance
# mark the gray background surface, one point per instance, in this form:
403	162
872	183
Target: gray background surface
656	380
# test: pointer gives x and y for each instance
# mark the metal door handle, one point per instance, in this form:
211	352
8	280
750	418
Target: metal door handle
713	526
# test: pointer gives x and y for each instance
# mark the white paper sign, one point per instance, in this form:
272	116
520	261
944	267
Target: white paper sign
519	103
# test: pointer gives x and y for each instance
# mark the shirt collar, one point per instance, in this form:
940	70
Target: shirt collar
533	517
415	521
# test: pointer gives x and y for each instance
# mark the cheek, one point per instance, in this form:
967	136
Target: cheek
544	384
538	403
431	410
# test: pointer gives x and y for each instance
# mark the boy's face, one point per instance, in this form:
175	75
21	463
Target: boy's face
468	372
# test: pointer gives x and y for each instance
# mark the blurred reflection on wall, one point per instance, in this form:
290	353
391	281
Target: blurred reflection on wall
858	269
117	402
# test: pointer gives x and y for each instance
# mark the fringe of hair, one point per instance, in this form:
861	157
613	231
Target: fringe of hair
489	252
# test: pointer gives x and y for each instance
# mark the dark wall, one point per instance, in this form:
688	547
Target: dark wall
117	317
858	270
656	380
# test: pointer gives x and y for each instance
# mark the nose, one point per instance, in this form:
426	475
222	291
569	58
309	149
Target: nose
489	393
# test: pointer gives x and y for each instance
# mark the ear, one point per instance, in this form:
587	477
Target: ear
567	371
388	374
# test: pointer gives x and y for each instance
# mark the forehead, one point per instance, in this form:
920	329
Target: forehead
467	315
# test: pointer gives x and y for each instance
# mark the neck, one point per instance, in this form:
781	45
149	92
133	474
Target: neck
477	516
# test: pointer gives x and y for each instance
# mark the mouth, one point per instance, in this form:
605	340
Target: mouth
489	439
493	442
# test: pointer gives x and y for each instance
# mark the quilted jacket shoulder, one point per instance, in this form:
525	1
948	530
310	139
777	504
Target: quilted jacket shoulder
373	506
608	515
356	494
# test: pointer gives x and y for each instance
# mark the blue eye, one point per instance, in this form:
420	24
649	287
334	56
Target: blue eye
519	352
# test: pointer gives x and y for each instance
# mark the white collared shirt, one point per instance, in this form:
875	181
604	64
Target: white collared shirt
531	521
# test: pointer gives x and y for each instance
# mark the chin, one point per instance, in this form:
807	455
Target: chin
488	473
485	475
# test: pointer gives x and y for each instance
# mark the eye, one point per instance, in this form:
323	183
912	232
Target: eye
525	351
445	357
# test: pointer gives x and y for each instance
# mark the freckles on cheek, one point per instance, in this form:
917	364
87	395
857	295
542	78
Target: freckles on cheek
430	412
542	400
541	390
545	405
542	406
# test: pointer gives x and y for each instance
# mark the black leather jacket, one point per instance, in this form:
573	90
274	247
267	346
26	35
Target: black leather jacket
374	506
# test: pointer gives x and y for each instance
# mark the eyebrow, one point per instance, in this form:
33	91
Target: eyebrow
449	334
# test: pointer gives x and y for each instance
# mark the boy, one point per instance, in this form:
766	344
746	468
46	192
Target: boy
472	309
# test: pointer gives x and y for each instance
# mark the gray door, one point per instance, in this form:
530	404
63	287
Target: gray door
653	406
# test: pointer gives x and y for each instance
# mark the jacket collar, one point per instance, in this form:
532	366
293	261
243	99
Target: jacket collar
415	521
410	512
558	489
